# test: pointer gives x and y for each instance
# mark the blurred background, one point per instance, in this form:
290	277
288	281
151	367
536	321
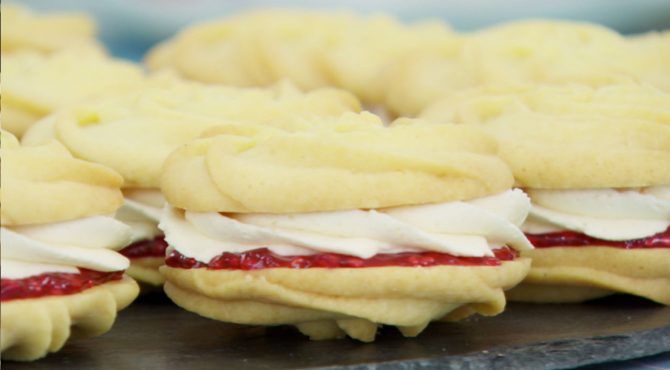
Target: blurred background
130	27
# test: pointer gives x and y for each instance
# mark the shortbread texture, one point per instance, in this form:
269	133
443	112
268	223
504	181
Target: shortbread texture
323	170
332	303
44	183
35	85
573	136
573	274
134	132
627	101
32	328
312	49
23	30
533	52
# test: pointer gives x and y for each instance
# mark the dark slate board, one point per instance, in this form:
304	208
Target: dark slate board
154	334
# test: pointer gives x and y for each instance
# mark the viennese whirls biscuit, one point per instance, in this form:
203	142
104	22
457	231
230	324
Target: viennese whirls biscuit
339	229
630	101
35	85
526	52
133	132
310	48
596	164
60	269
23	30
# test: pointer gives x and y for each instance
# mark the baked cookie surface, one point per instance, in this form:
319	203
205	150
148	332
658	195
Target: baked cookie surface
61	274
358	168
312	49
35	85
134	132
45	183
569	274
532	52
32	328
546	132
23	30
339	231
329	303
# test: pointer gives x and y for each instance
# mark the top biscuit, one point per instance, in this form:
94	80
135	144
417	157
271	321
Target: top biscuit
563	137
527	52
312	49
44	183
619	101
331	168
34	85
23	30
134	132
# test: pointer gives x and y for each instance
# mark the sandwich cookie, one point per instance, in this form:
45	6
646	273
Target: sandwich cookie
61	272
596	165
337	231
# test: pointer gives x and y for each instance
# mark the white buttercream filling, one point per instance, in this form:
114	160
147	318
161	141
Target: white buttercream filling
89	243
20	270
607	214
141	211
470	228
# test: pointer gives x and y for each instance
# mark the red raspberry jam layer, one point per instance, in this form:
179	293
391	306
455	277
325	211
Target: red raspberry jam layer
263	258
146	248
574	239
57	283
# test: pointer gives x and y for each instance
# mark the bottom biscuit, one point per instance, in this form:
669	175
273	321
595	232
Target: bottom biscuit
575	274
145	271
31	328
330	303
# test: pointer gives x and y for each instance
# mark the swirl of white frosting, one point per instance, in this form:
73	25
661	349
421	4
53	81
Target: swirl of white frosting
141	211
608	214
470	228
89	242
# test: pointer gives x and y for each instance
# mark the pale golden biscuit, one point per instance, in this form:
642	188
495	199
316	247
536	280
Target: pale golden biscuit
366	168
553	52
564	153
312	49
642	272
420	80
329	303
35	85
145	270
31	328
546	133
547	51
23	30
44	183
605	150
547	293
620	101
651	52
134	132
